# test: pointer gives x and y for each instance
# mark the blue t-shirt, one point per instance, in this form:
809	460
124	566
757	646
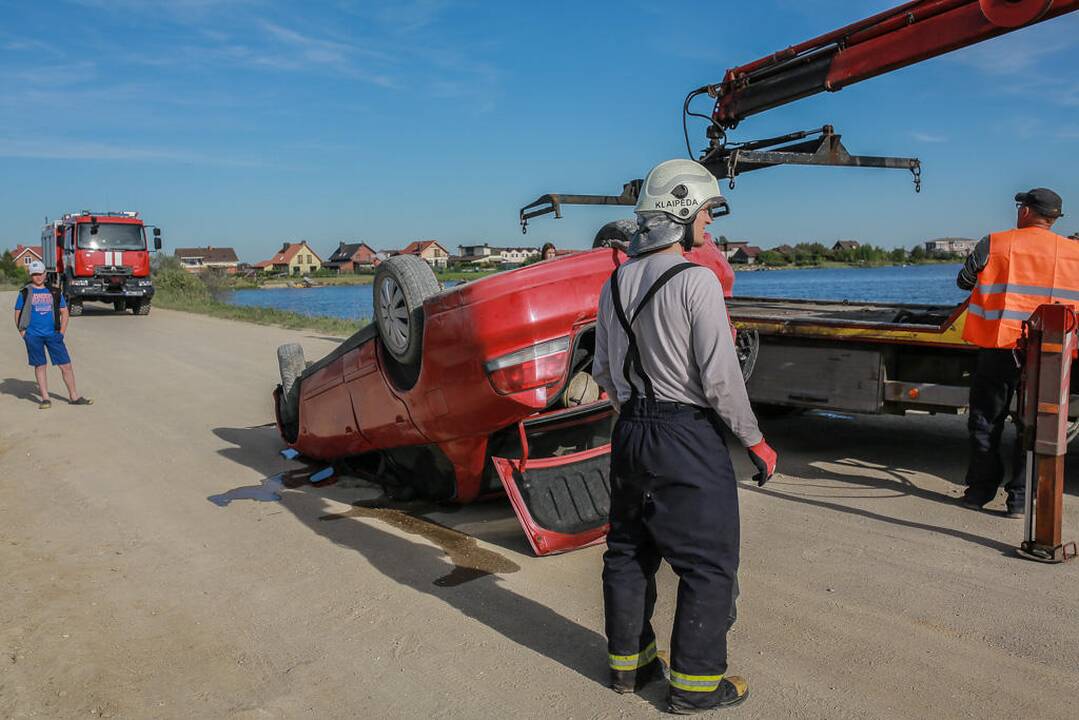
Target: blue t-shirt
41	319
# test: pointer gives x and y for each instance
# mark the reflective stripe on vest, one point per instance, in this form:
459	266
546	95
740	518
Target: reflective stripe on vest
1026	268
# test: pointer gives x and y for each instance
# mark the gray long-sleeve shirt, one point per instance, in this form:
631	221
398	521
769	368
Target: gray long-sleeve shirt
684	338
974	264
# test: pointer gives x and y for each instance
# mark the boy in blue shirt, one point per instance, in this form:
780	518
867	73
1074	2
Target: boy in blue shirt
41	316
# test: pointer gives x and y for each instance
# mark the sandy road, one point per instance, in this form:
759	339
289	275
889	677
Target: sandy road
125	593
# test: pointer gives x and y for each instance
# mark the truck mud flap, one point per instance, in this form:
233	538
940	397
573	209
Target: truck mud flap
562	502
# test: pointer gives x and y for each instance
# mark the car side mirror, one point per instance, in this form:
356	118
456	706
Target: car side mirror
157	241
157	232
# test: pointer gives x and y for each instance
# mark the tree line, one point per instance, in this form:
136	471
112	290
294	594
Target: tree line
810	254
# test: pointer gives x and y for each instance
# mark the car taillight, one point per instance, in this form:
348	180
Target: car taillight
541	364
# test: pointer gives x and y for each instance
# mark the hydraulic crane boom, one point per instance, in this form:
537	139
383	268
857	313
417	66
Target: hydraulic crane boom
891	40
896	38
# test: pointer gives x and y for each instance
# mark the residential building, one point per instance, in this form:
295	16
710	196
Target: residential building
293	259
482	255
353	257
430	250
960	246
785	250
729	248
26	254
846	245
208	258
746	255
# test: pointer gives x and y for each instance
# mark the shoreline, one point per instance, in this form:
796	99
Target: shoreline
832	265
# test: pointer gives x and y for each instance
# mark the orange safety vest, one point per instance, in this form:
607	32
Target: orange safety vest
1026	268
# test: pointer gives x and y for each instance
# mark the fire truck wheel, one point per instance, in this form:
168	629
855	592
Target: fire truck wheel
402	283
119	305
74	308
615	234
142	307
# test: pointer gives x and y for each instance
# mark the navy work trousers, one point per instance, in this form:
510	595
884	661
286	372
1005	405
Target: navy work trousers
674	498
991	391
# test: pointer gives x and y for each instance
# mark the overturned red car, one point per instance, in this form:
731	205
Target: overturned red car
464	393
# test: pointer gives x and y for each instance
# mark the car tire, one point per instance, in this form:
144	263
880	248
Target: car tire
402	283
290	362
616	234
119	306
142	307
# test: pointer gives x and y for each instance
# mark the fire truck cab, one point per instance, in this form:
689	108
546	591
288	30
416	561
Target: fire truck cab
101	257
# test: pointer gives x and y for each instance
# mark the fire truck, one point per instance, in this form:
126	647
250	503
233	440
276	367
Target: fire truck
102	257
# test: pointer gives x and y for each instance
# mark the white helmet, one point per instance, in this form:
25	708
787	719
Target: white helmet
672	195
36	267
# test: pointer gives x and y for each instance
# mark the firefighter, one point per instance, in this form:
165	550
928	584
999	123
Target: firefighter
1009	275
666	357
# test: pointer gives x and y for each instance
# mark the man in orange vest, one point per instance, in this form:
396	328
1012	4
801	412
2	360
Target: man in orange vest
1009	275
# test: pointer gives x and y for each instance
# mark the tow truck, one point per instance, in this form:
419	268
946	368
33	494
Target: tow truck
837	355
100	256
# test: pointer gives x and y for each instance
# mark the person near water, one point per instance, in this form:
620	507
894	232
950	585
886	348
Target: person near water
665	355
41	317
1009	274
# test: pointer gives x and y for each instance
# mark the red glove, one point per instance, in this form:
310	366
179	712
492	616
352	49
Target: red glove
764	458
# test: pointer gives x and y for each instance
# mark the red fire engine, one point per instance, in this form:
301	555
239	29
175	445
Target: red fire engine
102	257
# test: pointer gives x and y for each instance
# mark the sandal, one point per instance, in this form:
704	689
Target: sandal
82	401
44	405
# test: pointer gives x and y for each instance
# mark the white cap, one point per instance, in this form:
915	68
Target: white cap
37	267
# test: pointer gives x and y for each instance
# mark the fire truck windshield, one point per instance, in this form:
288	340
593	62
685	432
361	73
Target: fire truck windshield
111	236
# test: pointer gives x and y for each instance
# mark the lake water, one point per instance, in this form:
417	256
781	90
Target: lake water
929	284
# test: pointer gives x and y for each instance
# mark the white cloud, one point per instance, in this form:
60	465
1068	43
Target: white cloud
928	137
66	149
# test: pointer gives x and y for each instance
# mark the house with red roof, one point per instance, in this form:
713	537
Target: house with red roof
430	250
26	254
292	259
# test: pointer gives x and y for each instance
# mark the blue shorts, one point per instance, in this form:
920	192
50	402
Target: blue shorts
35	349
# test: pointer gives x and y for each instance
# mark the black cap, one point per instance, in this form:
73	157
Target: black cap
1043	201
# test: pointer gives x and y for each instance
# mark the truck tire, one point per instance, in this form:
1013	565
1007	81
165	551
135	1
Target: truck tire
141	307
74	308
119	305
616	234
290	363
747	344
402	283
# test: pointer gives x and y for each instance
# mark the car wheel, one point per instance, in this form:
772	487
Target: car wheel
119	305
616	234
402	283
290	362
142	307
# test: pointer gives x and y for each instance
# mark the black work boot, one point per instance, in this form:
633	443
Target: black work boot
732	691
627	681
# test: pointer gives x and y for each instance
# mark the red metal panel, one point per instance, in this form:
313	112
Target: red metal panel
543	541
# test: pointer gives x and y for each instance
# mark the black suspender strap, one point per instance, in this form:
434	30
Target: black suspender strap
633	354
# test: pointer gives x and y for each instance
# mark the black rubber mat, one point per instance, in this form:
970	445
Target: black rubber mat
569	498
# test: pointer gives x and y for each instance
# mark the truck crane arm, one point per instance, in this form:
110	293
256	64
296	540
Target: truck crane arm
893	39
896	38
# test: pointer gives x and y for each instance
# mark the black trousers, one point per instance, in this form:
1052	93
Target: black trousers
674	498
991	391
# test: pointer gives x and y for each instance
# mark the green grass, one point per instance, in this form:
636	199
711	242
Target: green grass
260	316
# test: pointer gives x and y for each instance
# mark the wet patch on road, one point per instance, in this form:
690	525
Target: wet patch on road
470	561
269	489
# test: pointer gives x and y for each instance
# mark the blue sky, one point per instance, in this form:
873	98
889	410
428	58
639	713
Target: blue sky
252	122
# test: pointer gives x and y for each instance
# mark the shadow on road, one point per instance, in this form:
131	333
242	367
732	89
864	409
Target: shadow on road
423	567
24	390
